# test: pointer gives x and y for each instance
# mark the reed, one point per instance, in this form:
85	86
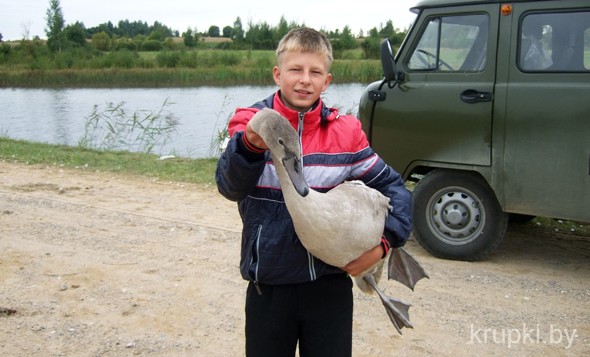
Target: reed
364	71
113	128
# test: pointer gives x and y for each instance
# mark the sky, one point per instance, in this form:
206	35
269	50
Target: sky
27	18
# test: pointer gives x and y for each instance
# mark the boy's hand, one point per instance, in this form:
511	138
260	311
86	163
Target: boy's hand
365	261
254	138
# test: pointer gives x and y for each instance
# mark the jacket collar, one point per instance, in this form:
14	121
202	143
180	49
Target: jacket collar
318	115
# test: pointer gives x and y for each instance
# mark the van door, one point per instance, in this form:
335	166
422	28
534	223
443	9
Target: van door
547	126
442	110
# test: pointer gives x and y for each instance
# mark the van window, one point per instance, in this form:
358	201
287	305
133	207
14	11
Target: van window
452	43
555	42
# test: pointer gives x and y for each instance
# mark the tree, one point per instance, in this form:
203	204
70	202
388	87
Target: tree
189	39
228	32
238	31
102	41
372	45
26	26
75	35
345	40
283	28
1	37
55	26
159	32
213	31
388	30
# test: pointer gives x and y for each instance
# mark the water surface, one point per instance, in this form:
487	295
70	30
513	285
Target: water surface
58	116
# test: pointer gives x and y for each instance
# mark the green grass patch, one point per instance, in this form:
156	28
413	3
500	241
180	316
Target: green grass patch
554	225
174	169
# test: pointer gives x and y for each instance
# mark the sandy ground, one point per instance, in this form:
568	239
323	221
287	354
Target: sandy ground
96	264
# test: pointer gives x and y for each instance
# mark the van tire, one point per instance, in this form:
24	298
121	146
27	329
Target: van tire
457	215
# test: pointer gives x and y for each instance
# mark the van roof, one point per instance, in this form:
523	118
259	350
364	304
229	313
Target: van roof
436	3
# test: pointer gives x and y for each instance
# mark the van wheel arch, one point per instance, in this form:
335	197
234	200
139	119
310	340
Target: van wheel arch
457	215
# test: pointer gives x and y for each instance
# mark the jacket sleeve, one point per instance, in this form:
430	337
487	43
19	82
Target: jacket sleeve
238	168
398	224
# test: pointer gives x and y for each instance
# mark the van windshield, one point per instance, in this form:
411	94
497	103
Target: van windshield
452	43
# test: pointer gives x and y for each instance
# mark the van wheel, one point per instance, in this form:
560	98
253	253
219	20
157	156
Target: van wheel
457	216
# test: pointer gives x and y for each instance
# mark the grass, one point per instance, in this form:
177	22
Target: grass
554	225
174	169
344	71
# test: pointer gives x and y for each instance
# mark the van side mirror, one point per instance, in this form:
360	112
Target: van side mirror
387	61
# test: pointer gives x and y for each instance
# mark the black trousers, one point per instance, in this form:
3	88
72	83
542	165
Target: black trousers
317	315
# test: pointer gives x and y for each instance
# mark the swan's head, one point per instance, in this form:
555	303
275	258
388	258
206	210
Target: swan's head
283	142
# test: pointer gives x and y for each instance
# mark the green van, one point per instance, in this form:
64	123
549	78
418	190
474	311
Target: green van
486	105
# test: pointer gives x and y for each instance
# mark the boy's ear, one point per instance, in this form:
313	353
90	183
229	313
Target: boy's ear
276	75
328	81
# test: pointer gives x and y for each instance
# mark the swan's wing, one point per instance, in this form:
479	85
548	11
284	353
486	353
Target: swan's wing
367	198
404	268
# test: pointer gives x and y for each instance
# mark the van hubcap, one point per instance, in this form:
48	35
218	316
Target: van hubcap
455	216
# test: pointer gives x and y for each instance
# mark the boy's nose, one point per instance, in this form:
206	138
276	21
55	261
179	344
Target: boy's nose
305	77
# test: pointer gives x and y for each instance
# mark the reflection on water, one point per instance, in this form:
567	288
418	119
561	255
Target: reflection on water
58	116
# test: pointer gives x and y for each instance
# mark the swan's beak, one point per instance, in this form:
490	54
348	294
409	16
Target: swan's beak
294	168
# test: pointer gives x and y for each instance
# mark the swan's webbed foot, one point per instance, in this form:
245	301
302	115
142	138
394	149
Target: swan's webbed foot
404	268
397	310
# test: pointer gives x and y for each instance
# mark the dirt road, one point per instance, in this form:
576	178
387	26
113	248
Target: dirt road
97	264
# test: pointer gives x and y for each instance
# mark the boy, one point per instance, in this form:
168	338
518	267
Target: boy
292	297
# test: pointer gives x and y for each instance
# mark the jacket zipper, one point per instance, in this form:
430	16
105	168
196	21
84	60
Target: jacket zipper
310	258
257	249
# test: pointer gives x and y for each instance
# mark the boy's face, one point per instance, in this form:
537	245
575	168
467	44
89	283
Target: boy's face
302	77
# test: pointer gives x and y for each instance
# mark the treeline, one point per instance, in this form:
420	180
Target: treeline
139	36
154	50
75	42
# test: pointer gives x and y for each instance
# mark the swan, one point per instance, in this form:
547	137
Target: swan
341	224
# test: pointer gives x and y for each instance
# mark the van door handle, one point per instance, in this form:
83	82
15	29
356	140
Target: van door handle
473	96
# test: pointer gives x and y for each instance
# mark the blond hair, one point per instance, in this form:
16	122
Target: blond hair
305	40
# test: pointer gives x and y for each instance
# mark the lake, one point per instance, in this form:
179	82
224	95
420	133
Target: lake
59	116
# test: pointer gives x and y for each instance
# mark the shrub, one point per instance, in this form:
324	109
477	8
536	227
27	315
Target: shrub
189	59
102	41
124	44
227	58
123	59
168	59
63	60
151	45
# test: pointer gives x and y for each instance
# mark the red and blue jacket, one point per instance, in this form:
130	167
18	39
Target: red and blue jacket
335	149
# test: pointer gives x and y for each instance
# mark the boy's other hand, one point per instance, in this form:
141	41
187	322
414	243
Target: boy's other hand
254	138
364	262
